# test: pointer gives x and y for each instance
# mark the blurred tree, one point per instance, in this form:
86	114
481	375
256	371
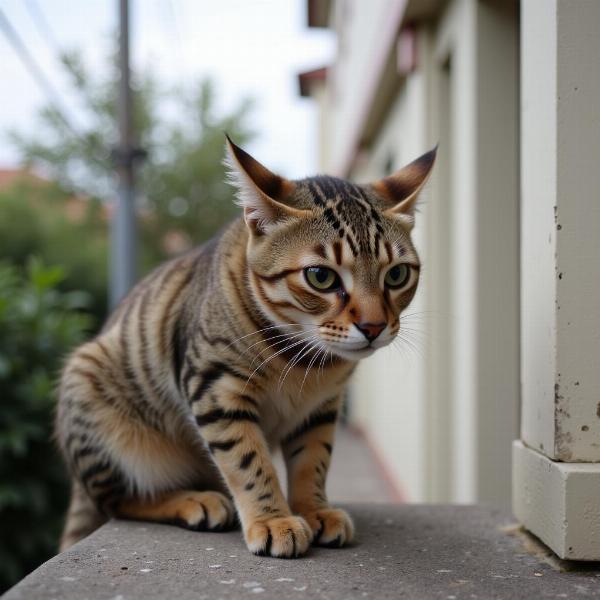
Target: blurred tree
38	325
183	198
39	218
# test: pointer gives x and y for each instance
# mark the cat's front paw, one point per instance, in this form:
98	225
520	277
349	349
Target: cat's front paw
282	537
332	527
203	511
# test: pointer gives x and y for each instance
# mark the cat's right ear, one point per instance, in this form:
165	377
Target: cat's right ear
260	192
401	189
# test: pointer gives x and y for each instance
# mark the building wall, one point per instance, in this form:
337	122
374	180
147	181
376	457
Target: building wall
389	396
362	28
441	407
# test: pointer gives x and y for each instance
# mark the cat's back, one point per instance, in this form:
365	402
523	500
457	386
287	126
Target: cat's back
133	359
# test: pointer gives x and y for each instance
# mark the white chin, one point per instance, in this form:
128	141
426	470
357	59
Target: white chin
353	354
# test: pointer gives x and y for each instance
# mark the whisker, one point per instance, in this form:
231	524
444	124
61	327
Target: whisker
297	358
322	355
310	364
409	344
287	336
262	330
271	358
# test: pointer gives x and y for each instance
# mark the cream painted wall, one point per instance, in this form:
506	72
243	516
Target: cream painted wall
359	25
443	415
388	395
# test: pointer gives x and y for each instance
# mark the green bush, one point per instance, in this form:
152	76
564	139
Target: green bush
38	326
34	222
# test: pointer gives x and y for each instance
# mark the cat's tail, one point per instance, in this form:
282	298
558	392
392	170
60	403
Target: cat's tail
82	517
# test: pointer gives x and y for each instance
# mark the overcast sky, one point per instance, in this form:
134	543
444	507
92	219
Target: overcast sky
250	47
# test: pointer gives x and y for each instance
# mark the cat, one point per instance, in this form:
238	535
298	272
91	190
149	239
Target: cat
239	346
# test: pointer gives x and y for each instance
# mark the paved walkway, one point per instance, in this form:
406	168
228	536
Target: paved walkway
401	551
355	476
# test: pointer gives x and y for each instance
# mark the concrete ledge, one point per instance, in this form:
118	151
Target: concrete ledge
558	502
419	552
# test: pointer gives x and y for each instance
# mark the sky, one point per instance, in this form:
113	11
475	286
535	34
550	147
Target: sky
249	47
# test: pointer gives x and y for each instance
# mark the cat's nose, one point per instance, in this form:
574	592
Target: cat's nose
370	330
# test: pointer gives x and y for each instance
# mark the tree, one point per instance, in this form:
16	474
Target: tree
183	197
38	218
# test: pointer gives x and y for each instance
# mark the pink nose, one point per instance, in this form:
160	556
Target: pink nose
370	330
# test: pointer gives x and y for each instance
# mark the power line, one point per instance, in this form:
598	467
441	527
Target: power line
38	75
42	25
36	72
176	30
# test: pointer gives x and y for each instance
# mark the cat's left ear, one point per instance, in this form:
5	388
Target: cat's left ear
401	189
260	192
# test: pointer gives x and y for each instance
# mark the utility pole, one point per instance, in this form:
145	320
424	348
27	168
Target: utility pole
123	259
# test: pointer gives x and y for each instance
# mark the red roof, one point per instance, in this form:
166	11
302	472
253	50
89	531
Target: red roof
308	77
10	176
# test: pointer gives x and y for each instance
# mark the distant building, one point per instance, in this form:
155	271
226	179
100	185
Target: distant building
497	336
75	206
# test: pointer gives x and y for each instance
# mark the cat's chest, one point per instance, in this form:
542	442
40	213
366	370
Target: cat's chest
285	408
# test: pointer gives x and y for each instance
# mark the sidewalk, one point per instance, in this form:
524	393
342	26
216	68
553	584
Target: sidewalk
354	475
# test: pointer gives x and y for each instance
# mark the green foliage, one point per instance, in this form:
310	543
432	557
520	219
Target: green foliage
38	326
35	221
181	183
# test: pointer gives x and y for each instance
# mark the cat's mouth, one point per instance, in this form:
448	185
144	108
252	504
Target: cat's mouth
352	351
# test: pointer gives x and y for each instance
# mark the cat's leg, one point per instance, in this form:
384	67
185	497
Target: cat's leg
229	421
123	465
307	452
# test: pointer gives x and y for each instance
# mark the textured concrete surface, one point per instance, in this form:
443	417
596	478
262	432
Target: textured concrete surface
419	552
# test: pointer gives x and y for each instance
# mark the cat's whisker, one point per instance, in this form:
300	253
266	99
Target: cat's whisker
262	331
312	360
328	352
272	347
290	365
415	333
280	336
286	338
408	344
270	358
321	354
290	337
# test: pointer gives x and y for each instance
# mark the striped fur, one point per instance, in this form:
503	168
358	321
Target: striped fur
219	356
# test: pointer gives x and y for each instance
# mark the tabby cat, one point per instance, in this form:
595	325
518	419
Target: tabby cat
237	347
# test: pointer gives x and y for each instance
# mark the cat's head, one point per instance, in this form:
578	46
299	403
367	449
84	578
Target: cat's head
332	258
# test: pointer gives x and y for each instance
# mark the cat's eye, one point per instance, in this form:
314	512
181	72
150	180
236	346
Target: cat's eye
397	276
322	278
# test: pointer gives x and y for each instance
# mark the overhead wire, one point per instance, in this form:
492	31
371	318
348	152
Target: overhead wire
176	30
42	81
42	25
34	69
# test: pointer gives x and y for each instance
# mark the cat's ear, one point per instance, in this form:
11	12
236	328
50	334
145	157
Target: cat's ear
401	189
260	192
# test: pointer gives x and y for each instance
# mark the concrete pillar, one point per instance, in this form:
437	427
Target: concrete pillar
560	277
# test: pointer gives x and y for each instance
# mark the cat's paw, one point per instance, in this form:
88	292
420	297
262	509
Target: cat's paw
332	527
282	537
205	511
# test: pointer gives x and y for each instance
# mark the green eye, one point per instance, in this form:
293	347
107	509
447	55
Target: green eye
397	276
322	278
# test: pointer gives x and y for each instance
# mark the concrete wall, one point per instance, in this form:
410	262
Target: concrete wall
557	463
